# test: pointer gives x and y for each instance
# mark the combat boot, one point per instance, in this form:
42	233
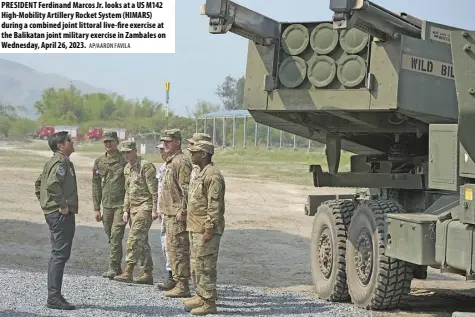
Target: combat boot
184	300
145	278
168	284
191	303
208	307
113	271
127	276
181	289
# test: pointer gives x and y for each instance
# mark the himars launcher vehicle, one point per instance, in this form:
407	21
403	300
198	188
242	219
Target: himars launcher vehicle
400	94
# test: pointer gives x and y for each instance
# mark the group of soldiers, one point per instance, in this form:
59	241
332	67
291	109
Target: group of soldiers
186	195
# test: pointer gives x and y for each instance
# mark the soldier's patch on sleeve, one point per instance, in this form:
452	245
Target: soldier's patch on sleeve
61	171
95	171
215	187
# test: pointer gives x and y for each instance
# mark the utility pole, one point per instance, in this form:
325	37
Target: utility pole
167	99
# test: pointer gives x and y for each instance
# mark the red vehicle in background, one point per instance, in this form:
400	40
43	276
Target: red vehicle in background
95	134
48	130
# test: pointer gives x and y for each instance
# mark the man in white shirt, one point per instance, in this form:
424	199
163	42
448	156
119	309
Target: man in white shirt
168	283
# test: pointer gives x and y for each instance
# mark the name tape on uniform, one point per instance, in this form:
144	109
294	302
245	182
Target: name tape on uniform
87	26
427	66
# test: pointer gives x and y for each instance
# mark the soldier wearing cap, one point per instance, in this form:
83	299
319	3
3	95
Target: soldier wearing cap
205	224
169	283
108	189
197	137
191	141
173	204
140	207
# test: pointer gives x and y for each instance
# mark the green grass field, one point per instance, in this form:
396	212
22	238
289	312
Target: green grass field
282	165
19	159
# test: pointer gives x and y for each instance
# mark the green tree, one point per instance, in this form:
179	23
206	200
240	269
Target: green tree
240	92
231	93
10	111
5	125
8	116
71	107
23	126
203	107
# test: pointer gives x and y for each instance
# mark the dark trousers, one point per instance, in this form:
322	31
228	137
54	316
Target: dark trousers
62	229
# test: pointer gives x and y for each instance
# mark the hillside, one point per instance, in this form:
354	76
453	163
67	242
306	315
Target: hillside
22	85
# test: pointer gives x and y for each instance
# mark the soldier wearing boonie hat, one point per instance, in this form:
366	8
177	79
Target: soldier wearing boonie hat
205	224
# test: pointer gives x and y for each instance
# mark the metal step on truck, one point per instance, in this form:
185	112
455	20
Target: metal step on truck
399	93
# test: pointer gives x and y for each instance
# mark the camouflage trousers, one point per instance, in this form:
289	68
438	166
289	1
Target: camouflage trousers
204	258
138	247
114	227
178	248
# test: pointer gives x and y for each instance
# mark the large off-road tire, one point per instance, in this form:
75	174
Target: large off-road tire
328	249
375	281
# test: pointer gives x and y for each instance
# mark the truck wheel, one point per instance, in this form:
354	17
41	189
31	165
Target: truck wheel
375	281
328	249
45	137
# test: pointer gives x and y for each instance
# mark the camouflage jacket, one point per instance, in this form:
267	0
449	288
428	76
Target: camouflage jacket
160	175
206	201
140	186
56	186
174	194
194	172
108	182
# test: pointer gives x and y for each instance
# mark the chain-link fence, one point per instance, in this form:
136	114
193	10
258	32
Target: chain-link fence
147	142
241	131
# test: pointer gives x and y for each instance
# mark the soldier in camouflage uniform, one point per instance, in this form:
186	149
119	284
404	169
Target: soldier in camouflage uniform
197	137
191	141
173	204
205	224
108	188
140	207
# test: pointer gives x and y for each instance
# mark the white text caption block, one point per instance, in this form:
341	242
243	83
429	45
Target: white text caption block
87	26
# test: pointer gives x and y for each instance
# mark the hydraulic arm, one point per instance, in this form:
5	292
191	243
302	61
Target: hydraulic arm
372	19
227	16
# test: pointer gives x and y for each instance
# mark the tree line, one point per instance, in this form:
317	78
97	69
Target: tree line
69	106
72	107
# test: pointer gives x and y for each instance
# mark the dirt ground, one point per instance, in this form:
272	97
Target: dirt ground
266	242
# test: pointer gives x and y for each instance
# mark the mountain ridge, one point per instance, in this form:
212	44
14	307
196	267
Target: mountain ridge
21	85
